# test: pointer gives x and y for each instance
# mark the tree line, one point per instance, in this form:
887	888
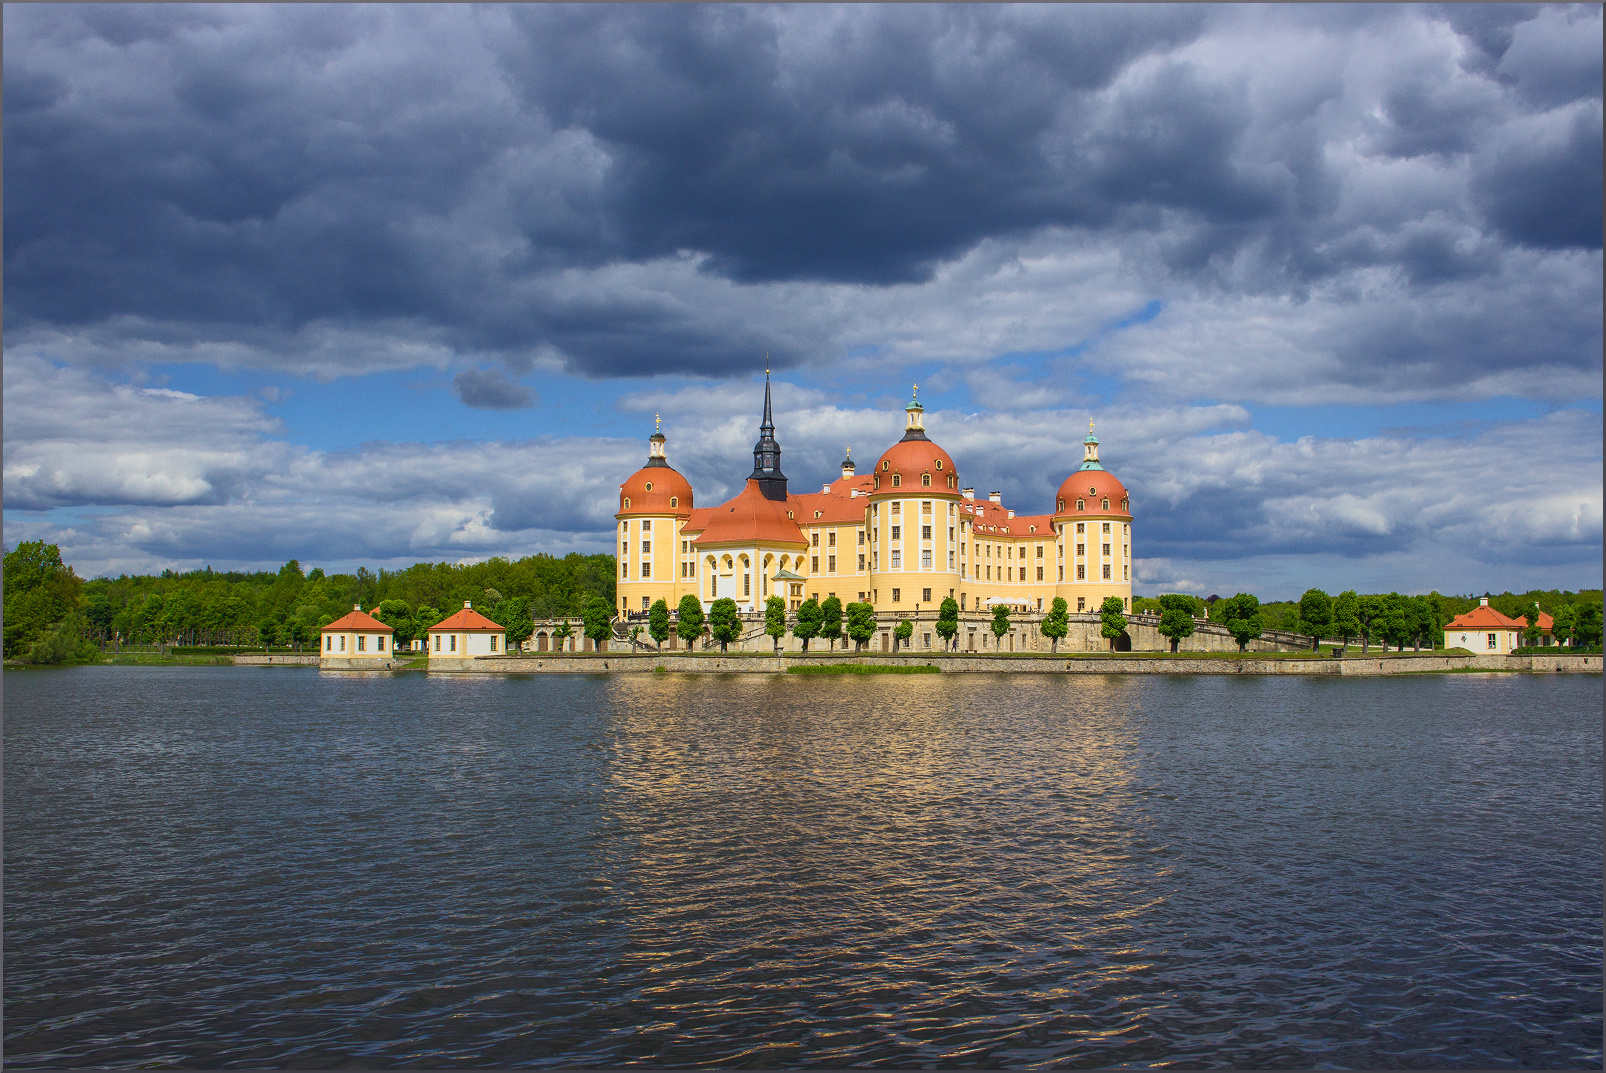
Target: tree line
283	608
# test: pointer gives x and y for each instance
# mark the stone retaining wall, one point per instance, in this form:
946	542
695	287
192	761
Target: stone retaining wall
701	663
303	660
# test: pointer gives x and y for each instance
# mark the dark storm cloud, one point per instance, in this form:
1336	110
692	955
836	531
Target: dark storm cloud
469	176
490	389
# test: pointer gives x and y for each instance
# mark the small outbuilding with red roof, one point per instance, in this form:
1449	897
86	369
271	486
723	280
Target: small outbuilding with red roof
356	637
1484	631
465	635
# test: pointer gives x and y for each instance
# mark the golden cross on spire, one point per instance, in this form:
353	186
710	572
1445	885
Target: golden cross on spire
850	452
1090	426
917	391
657	423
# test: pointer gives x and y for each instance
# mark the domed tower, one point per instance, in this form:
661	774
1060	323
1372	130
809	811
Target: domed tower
913	522
654	502
1093	519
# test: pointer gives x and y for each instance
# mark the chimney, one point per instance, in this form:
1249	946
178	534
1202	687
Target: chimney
466	605
968	493
996	497
356	607
1483	601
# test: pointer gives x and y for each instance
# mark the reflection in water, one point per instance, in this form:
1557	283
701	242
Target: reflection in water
213	867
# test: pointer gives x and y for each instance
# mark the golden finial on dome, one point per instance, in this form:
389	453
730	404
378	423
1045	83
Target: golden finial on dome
657	423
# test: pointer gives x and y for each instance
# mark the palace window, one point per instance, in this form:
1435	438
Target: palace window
830	563
1081	603
885	464
646	547
627	502
897	480
875	560
925	596
1081	572
1039	573
925	532
1080	505
878	481
950	534
1124	575
747	584
674	501
1061	507
897	597
897	532
1106	548
646	604
897	506
493	642
437	642
1106	527
454	642
861	562
925	480
925	506
816	568
1106	571
1080	527
624	571
897	560
830	539
1062	572
1105	503
939	466
952	480
646	570
361	642
329	642
925	560
989	573
1039	551
950	558
861	538
646	523
815	538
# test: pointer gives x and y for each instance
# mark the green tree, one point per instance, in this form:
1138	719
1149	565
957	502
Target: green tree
831	620
775	620
1176	617
513	614
901	634
1242	618
1347	615
1561	630
1000	624
1057	623
807	626
399	617
40	591
562	632
948	621
598	621
658	622
1113	621
1368	609
1394	621
1530	616
65	643
1587	624
689	620
1316	615
861	624
724	622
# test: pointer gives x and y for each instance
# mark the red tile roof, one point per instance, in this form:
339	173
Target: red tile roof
358	620
748	518
1546	623
1483	617
465	620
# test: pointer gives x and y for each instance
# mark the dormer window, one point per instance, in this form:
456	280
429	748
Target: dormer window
952	480
674	501
1105	503
897	480
788	514
1080	505
627	502
885	465
878	482
925	480
816	514
1061	507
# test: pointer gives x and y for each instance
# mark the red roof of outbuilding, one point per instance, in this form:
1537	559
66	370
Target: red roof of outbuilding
1546	623
750	517
466	619
1484	617
358	620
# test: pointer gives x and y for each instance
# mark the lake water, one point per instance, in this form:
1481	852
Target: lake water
236	866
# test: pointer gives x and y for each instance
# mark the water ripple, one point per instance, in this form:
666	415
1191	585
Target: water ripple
233	867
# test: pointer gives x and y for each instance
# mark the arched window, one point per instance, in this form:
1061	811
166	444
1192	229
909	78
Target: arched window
1061	507
627	503
1080	505
925	480
878	482
952	480
674	501
897	480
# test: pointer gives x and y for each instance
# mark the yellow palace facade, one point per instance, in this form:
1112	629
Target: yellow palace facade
904	536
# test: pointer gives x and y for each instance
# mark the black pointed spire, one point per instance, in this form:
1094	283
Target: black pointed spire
767	454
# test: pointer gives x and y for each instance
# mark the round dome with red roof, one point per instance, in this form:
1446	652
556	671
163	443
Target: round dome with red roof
915	463
655	488
1092	489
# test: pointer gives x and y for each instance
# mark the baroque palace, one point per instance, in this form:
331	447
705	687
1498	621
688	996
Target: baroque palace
903	537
